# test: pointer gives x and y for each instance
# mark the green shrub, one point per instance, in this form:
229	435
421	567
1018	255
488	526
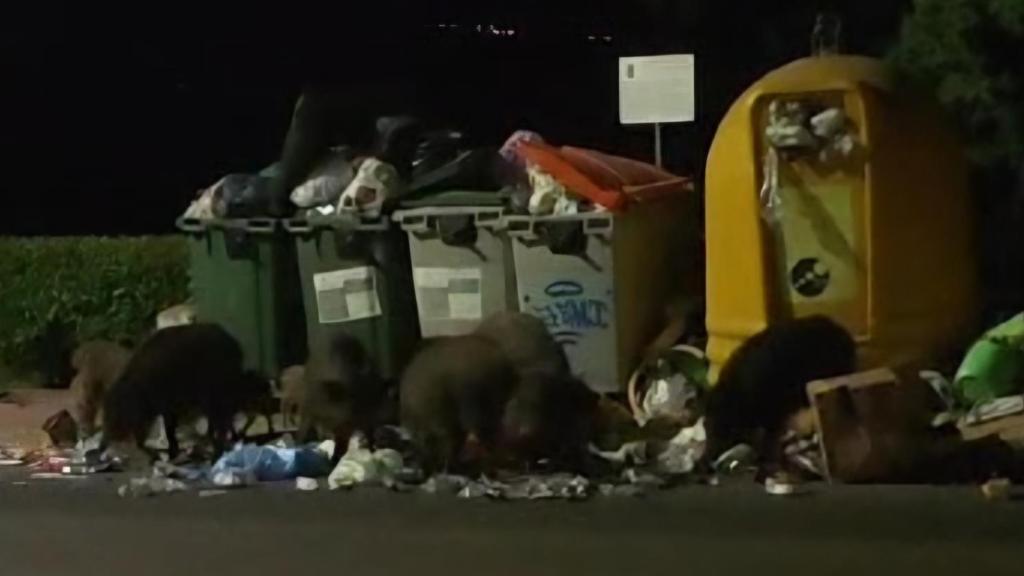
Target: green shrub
55	292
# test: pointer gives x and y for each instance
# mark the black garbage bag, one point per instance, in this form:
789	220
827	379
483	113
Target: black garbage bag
436	149
469	170
396	142
243	196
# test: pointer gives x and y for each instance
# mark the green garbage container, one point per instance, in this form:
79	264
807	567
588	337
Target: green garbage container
356	279
244	276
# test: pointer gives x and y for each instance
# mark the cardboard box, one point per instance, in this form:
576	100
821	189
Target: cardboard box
873	427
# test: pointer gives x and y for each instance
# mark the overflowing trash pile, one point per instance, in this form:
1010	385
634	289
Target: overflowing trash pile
863	427
491	405
534	177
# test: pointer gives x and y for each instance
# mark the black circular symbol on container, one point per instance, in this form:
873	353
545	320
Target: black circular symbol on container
810	277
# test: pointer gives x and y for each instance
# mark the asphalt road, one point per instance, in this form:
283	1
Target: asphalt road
82	527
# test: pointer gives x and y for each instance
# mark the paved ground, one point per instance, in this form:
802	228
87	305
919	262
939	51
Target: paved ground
81	527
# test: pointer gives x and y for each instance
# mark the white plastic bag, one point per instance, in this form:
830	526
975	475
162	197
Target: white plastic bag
327	182
360	465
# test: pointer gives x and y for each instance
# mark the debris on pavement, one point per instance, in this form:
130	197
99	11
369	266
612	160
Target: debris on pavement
54	476
622	490
629	454
530	487
994	410
143	487
739	458
997	489
360	465
669	386
251	463
62	429
861	420
682	452
782	486
211	493
307	484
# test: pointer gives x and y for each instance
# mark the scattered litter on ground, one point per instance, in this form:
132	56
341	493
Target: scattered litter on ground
307	484
622	490
269	463
143	487
533	487
233	479
62	429
997	489
54	476
629	454
669	386
211	493
683	451
360	465
994	409
782	486
739	458
185	473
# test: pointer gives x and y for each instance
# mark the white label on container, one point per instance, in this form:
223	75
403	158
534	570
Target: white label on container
450	293
347	295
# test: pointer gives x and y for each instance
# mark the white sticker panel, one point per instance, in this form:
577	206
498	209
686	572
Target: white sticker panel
449	293
347	295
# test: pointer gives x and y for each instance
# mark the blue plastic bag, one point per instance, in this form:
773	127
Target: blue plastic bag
271	464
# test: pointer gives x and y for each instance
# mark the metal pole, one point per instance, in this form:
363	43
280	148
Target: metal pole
657	144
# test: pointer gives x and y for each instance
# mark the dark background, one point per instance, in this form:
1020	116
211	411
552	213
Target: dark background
114	116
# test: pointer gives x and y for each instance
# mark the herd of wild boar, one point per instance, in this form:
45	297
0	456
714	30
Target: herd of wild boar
501	396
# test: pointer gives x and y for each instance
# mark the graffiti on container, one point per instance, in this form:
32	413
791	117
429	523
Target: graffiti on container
569	313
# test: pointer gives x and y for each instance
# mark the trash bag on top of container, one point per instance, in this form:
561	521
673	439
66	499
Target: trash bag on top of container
396	142
436	149
242	196
477	170
327	181
376	183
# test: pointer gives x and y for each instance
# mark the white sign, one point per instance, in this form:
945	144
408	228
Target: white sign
449	293
347	295
657	89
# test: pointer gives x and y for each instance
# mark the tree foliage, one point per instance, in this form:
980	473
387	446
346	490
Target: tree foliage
969	54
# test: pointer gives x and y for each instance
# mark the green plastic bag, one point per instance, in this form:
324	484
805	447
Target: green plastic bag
994	366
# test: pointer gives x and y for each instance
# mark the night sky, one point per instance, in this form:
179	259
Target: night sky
114	116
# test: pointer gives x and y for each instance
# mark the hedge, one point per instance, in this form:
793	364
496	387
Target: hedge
57	292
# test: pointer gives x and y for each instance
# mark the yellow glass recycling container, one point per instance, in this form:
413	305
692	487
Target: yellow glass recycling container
831	192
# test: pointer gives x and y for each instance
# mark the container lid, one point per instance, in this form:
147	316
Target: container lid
338	223
457	198
253	225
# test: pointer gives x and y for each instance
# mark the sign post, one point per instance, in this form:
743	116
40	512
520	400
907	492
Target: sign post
657	90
